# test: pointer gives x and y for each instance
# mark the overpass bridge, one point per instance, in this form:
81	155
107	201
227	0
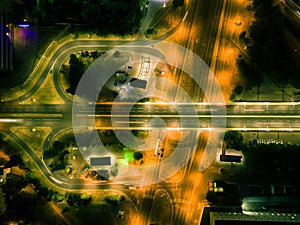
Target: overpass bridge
244	116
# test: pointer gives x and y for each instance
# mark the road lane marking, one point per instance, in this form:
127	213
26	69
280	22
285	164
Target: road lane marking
29	115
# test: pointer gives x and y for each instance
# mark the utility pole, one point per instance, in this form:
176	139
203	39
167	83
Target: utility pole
283	92
2	38
6	46
11	46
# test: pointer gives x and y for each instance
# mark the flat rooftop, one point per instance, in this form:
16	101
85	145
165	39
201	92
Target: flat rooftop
138	83
100	161
230	158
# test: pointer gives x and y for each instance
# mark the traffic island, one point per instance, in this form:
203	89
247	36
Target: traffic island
34	137
162	209
46	94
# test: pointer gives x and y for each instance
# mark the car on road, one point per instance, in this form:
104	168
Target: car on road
160	153
214	187
132	186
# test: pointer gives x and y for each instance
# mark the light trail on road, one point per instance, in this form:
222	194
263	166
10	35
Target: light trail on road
274	115
268	116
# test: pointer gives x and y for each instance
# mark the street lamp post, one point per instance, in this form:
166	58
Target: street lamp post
283	92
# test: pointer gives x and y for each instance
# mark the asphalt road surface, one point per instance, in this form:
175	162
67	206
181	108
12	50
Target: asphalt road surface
201	36
238	116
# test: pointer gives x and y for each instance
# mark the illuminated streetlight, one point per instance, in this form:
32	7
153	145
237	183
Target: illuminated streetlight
244	129
267	105
293	104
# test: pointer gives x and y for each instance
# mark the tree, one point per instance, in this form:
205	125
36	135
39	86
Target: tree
7	5
78	199
65	209
58	145
233	139
138	155
59	197
211	197
56	149
76	71
95	54
117	54
150	32
15	160
236	91
2	161
144	100
115	199
114	172
249	73
243	39
177	3
269	55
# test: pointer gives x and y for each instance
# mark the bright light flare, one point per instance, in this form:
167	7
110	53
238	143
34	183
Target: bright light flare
225	78
23	25
8	120
228	54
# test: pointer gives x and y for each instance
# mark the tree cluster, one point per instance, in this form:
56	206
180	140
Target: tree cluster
76	70
269	54
115	199
14	156
14	9
144	100
56	148
51	195
57	152
138	155
120	79
93	54
77	199
250	73
177	3
234	139
15	160
77	67
236	92
100	16
273	162
94	175
151	32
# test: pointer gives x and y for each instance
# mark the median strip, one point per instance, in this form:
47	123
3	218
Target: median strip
32	115
194	116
